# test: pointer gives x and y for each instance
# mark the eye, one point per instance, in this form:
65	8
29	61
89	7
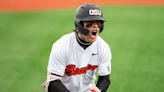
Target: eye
100	24
89	24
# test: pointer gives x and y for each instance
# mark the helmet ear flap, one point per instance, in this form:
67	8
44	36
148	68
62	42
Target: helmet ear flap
79	28
102	26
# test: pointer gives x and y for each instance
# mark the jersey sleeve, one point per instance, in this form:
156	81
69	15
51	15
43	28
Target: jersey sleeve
57	59
104	66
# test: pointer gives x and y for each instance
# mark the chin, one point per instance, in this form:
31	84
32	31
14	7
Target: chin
92	40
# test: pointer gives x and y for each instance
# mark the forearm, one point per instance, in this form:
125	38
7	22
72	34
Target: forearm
57	86
103	83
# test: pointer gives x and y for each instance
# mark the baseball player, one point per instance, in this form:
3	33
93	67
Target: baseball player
76	57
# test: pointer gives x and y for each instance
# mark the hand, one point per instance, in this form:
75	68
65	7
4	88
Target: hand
45	85
94	89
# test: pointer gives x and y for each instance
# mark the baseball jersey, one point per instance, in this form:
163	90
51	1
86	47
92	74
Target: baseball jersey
78	66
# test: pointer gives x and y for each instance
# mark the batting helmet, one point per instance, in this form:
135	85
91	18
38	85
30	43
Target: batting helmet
87	12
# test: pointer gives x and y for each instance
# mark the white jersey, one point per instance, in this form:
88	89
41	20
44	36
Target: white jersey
78	66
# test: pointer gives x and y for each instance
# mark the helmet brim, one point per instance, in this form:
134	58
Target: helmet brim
93	18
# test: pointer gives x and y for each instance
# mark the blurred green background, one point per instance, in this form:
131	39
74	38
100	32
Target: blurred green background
134	33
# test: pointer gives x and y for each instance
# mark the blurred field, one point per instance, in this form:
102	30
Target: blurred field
135	35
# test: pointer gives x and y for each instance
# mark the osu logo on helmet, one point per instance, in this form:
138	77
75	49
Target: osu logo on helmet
94	12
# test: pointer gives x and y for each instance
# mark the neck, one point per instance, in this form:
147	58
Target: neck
82	43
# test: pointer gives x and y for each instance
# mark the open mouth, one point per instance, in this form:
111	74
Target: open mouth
94	33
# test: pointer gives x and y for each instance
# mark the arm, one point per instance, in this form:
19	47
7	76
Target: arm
57	86
104	68
103	83
54	84
56	67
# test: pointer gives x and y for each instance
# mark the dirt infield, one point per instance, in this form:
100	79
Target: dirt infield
30	5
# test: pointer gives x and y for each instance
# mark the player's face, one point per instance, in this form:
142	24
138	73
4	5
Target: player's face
94	28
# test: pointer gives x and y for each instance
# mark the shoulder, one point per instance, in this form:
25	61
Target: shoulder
63	42
102	43
65	37
103	47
